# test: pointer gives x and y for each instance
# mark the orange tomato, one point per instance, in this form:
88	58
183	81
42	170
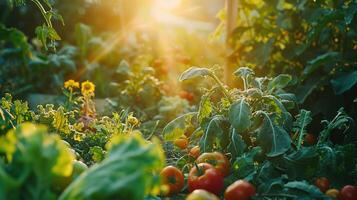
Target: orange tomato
173	179
195	151
181	143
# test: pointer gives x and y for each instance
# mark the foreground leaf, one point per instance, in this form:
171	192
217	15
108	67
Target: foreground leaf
128	172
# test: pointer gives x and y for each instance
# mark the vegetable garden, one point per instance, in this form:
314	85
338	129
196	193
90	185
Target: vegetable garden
178	99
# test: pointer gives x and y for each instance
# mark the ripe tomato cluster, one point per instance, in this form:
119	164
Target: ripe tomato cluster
348	192
205	179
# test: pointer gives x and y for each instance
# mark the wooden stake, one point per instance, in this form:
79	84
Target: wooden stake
232	11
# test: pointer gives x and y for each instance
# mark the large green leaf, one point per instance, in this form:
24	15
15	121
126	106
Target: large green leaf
279	82
239	115
273	139
213	134
194	72
302	120
205	109
237	145
302	164
321	60
176	128
304	190
128	173
344	82
16	37
243	72
243	165
34	159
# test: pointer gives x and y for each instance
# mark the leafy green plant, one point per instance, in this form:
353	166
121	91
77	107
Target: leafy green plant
13	113
252	127
259	112
46	31
30	159
119	176
312	40
24	70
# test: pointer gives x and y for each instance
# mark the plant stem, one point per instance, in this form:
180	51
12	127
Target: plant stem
153	131
43	11
245	83
224	90
199	170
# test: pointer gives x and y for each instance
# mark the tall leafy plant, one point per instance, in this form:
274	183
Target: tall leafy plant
46	31
258	113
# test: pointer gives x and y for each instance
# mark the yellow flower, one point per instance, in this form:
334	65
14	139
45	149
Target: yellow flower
133	120
70	84
87	88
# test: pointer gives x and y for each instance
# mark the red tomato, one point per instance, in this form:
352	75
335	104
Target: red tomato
201	195
218	160
195	151
181	143
322	183
239	190
348	192
173	178
205	176
310	139
187	95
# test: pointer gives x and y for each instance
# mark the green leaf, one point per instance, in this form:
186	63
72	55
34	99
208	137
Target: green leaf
52	34
205	109
55	15
34	157
302	164
16	37
176	128
130	172
279	82
243	166
303	188
213	134
237	144
304	90
350	12
239	115
321	60
194	72
243	72
273	139
44	33
344	82
302	120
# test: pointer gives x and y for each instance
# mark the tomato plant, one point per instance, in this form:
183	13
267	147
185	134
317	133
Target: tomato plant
271	115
